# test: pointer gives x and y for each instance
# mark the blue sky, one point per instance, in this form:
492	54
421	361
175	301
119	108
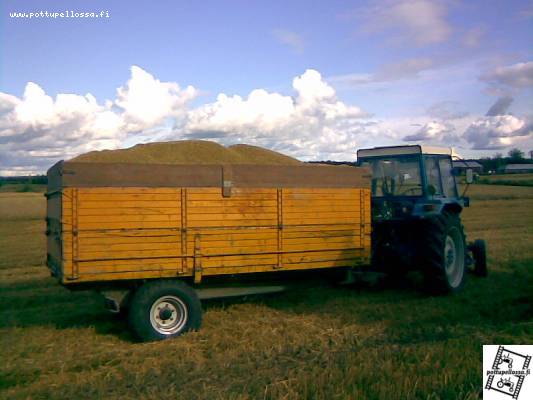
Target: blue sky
369	72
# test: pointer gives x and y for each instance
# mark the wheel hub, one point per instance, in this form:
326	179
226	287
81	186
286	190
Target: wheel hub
168	315
454	258
450	254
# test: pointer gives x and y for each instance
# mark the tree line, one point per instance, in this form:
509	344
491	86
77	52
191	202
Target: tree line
498	161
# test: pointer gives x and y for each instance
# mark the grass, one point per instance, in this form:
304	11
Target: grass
478	192
507	179
22	188
316	342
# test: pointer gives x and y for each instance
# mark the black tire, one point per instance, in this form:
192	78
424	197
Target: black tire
443	254
479	252
163	310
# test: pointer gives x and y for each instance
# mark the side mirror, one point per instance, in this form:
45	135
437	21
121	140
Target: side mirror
469	176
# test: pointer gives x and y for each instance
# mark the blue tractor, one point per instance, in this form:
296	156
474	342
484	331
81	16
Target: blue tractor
416	216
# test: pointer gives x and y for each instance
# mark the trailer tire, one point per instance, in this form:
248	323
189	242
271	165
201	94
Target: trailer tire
163	310
443	254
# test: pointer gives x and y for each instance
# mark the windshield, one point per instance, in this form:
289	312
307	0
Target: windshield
395	176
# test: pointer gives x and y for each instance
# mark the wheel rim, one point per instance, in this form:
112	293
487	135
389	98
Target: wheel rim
168	315
454	258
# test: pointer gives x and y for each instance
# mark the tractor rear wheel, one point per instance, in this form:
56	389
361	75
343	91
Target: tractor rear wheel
443	254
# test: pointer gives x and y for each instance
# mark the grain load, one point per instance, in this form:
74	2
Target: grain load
188	152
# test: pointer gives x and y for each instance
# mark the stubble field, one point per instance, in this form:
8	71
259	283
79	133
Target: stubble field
316	342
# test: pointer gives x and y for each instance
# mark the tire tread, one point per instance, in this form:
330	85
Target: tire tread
432	258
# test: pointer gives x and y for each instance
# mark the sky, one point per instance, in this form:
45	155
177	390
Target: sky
315	80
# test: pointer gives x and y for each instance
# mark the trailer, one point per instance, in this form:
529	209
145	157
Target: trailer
159	238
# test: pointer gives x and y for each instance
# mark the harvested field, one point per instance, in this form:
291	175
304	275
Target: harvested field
317	342
507	179
189	152
494	192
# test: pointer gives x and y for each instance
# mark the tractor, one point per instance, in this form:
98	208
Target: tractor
506	382
506	359
416	216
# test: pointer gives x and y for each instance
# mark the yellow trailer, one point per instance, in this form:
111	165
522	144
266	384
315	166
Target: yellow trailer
162	235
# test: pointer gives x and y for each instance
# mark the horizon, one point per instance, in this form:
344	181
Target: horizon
495	156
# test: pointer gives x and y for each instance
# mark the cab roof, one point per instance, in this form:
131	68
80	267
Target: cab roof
404	150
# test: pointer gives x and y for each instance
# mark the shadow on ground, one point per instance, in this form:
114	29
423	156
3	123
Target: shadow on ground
502	299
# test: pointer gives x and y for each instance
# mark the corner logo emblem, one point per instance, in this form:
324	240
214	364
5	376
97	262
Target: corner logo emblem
509	373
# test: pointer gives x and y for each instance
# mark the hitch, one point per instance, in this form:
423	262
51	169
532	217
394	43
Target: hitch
478	248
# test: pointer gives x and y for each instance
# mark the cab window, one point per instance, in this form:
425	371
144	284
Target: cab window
448	181
433	176
395	176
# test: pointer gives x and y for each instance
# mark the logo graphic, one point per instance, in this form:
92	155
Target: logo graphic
508	373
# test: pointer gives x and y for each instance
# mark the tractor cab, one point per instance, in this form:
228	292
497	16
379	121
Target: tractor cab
416	216
411	181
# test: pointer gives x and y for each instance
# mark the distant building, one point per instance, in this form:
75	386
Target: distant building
531	154
518	168
463	165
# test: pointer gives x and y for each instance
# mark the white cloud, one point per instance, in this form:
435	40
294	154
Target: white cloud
38	111
147	101
38	129
434	132
292	39
260	108
422	22
518	75
39	120
498	131
311	124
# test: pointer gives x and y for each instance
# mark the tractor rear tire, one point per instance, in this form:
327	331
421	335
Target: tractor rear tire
479	252
164	309
443	254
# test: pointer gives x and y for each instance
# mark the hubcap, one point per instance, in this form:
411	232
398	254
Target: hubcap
168	315
454	258
449	252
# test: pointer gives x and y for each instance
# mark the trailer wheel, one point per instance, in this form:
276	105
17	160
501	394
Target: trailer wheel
443	254
479	251
164	309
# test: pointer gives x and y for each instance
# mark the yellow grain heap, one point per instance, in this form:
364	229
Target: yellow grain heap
189	152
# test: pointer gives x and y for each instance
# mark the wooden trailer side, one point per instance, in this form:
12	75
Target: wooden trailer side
115	233
121	233
260	230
